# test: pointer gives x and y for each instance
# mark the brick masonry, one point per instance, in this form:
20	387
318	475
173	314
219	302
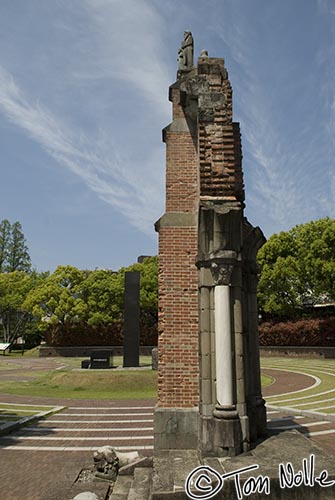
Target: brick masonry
203	161
178	279
204	229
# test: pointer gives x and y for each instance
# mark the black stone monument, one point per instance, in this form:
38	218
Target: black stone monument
100	359
131	340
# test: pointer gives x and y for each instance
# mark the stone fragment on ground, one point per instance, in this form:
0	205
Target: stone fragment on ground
86	495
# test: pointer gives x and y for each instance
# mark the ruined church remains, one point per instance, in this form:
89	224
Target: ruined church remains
209	390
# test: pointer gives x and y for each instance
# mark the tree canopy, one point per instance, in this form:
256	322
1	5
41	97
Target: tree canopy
14	288
14	255
72	296
298	268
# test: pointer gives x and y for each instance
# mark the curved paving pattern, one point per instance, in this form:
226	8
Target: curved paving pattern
284	382
42	461
78	428
53	450
316	397
309	409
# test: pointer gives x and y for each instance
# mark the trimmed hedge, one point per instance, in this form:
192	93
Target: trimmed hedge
86	335
313	332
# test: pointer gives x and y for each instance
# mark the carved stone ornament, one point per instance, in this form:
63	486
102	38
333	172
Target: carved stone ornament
185	53
106	463
221	273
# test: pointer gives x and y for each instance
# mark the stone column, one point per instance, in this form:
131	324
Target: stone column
240	353
223	335
254	351
227	426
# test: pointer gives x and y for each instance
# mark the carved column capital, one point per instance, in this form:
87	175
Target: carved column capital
221	272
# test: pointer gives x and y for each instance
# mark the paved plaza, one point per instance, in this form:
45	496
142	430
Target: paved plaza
42	461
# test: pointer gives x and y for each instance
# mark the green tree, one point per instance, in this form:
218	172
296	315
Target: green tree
18	256
70	296
14	288
298	268
14	255
58	299
102	293
5	232
149	286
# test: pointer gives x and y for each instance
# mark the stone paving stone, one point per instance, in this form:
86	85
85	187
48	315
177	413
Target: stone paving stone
49	475
36	475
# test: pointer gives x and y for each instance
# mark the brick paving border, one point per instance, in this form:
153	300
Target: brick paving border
47	475
285	381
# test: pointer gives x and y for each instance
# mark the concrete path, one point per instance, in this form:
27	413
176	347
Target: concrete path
126	427
42	462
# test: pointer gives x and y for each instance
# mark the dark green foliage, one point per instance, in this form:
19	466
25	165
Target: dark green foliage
70	301
15	318
83	334
14	254
298	268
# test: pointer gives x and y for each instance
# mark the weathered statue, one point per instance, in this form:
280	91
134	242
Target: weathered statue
106	463
185	53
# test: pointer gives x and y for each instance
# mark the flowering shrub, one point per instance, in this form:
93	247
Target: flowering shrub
313	332
87	335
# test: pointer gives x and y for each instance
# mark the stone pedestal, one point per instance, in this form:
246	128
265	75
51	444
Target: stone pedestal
227	439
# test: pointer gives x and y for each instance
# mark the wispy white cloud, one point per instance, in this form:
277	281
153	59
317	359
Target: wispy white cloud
287	167
100	41
99	167
125	42
326	6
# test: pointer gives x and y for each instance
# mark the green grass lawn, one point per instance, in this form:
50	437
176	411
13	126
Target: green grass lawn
90	384
30	353
8	366
72	382
266	380
103	384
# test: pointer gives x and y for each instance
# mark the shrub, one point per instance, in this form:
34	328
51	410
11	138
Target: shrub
314	332
87	335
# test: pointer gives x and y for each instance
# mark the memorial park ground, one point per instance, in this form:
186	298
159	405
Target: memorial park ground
68	412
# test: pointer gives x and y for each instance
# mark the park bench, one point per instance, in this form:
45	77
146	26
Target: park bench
4	347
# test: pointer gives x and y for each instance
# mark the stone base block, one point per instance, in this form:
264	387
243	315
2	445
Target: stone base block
227	437
176	428
220	437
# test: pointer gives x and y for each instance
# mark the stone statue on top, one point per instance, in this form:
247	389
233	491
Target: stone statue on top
185	53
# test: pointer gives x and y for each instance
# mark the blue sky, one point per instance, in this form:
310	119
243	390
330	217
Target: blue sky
83	99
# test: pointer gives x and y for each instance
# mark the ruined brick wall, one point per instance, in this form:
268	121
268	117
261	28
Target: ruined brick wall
178	319
203	225
203	162
220	157
178	279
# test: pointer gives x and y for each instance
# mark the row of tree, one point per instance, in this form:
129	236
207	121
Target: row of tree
297	269
30	301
